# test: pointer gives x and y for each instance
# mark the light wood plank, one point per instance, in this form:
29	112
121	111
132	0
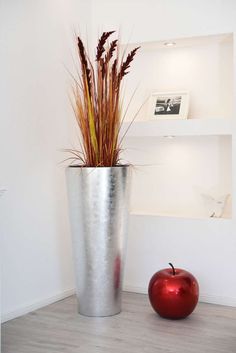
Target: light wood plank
58	328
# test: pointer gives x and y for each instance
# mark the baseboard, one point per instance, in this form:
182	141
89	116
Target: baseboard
36	305
135	289
217	299
204	298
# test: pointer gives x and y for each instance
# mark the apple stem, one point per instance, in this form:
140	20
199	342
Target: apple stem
173	269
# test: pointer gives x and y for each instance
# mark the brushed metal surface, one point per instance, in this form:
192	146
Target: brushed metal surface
98	204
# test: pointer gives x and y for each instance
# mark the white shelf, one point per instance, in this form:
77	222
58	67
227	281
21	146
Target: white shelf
177	216
184	127
180	42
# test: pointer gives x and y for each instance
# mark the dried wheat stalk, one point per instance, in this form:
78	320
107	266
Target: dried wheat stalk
97	102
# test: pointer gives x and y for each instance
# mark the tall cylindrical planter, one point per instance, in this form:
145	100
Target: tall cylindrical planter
98	205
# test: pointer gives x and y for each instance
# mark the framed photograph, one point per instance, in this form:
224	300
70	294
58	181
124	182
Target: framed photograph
169	105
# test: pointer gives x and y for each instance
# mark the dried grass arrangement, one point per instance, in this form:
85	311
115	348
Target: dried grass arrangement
97	102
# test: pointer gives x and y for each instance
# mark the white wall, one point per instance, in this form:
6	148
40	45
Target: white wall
207	249
140	20
35	125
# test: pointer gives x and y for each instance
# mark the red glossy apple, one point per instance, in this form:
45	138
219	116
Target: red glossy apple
173	293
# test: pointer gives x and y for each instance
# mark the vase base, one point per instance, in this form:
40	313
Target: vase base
99	315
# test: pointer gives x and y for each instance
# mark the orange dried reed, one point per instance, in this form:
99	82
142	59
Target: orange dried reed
97	102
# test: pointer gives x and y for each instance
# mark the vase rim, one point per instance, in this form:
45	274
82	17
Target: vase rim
84	167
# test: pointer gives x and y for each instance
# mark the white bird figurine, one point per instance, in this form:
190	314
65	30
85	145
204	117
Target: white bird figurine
215	205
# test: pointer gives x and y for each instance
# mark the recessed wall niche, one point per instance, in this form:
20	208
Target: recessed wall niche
180	176
188	175
202	65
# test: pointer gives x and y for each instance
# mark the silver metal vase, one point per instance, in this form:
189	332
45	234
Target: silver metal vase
98	204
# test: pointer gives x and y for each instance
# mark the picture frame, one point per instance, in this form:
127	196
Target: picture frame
169	105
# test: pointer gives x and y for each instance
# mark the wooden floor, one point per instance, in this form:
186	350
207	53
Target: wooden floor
57	328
